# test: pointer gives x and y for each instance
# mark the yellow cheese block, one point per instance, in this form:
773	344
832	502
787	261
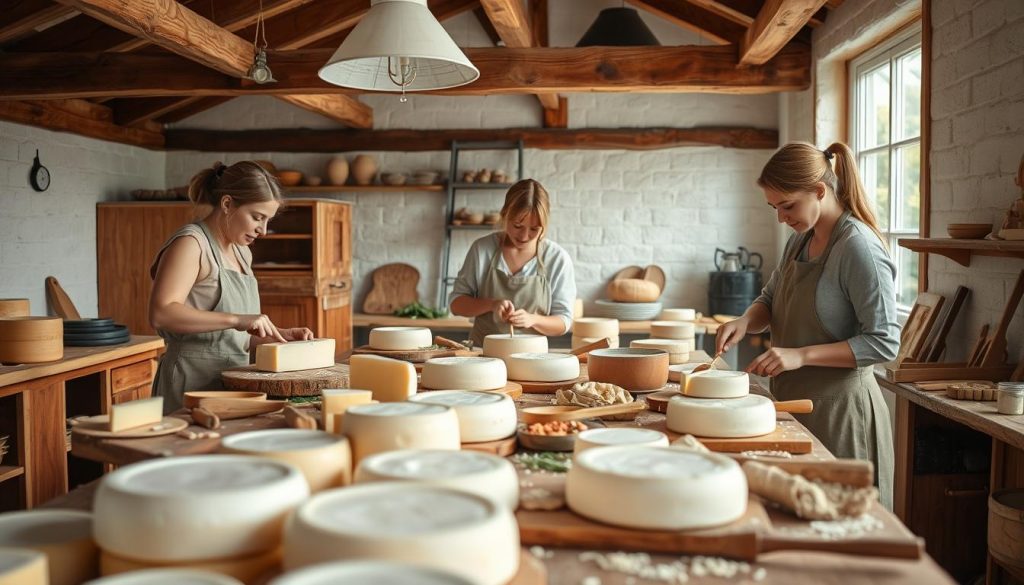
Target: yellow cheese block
334	403
295	355
23	566
64	536
389	380
136	413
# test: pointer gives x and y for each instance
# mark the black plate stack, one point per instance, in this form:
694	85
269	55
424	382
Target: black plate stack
94	332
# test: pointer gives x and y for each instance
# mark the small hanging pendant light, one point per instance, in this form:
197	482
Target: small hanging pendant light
618	27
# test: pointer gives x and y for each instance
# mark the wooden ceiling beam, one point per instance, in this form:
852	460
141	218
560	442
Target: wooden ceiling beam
513	26
488	27
353	112
57	117
192	107
776	24
539	22
696	18
26	17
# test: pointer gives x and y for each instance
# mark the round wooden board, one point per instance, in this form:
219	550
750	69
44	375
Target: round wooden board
285	384
549	387
658	401
512	389
96	426
414	356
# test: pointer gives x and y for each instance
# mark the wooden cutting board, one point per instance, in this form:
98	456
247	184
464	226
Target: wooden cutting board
60	302
394	286
788	436
285	384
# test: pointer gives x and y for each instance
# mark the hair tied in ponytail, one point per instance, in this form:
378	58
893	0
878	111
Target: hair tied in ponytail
219	169
829	155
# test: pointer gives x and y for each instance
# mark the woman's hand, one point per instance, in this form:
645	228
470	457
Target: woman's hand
297	333
259	326
523	319
503	310
777	360
731	333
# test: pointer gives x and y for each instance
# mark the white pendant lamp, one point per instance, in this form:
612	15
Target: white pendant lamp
398	46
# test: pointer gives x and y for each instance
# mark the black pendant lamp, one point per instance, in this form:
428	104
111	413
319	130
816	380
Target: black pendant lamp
618	27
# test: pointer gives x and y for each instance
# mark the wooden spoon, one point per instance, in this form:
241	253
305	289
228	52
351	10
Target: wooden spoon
804	406
549	413
708	365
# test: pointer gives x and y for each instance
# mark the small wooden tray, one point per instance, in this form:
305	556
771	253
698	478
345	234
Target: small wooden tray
96	426
415	356
501	447
549	387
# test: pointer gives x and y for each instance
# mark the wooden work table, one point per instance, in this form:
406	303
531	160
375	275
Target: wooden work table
464	323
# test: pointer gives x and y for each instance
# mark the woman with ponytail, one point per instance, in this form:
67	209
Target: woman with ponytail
205	303
830	305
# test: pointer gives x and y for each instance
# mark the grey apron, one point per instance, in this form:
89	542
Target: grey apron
194	361
850	416
531	293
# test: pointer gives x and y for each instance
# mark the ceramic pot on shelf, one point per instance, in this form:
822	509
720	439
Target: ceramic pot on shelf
364	169
337	170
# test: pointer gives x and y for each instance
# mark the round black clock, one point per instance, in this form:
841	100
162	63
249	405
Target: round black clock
39	175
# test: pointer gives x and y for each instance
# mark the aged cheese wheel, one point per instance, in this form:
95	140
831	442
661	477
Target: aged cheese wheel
543	367
633	290
749	416
64	536
483	416
247	569
717	384
429	526
591	438
595	327
31	340
678	315
578	342
476	472
23	566
672	330
400	338
14	308
659	488
678	349
376	428
502	345
182	576
464	373
325	459
369	572
206	507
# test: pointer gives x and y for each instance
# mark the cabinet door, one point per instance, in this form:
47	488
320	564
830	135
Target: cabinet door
288	311
338	321
333	245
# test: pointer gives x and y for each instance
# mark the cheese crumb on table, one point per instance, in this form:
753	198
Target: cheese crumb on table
678	571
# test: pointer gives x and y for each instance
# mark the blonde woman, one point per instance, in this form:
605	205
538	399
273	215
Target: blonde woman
205	303
830	305
516	276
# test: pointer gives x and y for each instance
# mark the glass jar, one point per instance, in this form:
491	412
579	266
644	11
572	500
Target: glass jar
1010	399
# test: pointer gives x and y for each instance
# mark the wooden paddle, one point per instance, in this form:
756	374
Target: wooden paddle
549	413
60	301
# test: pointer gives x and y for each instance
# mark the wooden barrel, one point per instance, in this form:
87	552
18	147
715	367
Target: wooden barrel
31	340
14	308
1006	529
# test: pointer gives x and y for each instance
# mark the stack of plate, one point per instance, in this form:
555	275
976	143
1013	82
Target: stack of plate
628	311
94	332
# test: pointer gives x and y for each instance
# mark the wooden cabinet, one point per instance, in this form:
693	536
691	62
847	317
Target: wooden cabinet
304	265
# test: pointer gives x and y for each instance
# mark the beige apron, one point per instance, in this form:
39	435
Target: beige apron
530	293
194	361
850	416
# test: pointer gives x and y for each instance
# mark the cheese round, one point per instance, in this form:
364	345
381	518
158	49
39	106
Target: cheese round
325	459
182	576
464	373
672	330
476	472
502	345
428	526
749	416
390	426
369	572
23	566
543	367
597	327
204	507
717	384
678	315
606	437
678	349
483	416
247	569
400	338
679	372
657	488
64	536
578	342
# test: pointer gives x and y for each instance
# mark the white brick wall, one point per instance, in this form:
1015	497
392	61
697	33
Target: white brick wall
54	233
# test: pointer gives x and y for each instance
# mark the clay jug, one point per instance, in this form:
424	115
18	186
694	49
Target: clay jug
337	170
364	169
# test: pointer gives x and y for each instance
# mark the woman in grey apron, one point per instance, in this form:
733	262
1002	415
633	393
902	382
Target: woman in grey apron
516	277
830	306
205	302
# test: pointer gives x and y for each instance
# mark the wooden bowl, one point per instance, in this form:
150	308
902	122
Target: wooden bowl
289	178
31	340
1006	528
14	308
968	231
636	370
193	397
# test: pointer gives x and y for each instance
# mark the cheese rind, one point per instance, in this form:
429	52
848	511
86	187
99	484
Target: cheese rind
597	327
23	566
400	338
248	569
295	355
605	437
335	401
323	458
64	536
464	373
749	416
678	315
160	576
673	330
483	416
502	345
657	488
389	380
543	367
136	413
475	472
376	428
716	384
368	572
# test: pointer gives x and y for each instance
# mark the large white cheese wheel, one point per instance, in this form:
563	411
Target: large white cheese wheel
502	345
716	384
677	315
672	330
605	437
325	459
578	342
389	380
64	536
660	488
167	577
476	472
543	367
376	428
249	569
428	526
597	327
335	401
23	566
679	372
483	416
295	355
464	373
368	573
400	338
749	416
204	507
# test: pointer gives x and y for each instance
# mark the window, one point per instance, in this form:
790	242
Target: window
885	131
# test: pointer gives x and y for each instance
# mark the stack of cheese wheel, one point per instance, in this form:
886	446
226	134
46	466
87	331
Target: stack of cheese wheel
605	437
464	373
476	472
543	367
587	330
219	513
502	345
483	416
658	488
368	572
678	315
167	577
400	338
428	526
681	330
678	349
31	340
376	428
65	537
325	459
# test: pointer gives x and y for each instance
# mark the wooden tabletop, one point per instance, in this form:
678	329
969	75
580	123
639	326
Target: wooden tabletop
79	357
364	320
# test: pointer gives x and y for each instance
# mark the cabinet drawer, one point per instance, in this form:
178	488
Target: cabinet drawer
131	376
287	285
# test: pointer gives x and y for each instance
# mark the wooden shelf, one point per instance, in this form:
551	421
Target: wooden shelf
287	237
10	472
960	251
282	266
364	188
481	185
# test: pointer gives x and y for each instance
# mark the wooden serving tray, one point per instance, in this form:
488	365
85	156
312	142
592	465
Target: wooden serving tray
285	384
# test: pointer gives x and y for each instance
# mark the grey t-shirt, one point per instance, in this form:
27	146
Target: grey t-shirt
856	296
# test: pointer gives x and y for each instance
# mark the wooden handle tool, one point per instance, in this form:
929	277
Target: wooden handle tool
232	408
804	406
445	342
851	472
708	365
297	419
549	413
205	418
582	351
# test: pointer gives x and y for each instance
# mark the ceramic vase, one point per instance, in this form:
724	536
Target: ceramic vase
364	169
337	170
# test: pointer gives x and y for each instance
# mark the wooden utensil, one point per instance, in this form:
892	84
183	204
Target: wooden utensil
803	406
297	419
979	346
658	402
232	408
937	344
995	354
549	413
851	472
205	418
445	342
394	286
582	351
708	365
60	301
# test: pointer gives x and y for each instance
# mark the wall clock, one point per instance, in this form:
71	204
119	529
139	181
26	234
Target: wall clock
39	175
